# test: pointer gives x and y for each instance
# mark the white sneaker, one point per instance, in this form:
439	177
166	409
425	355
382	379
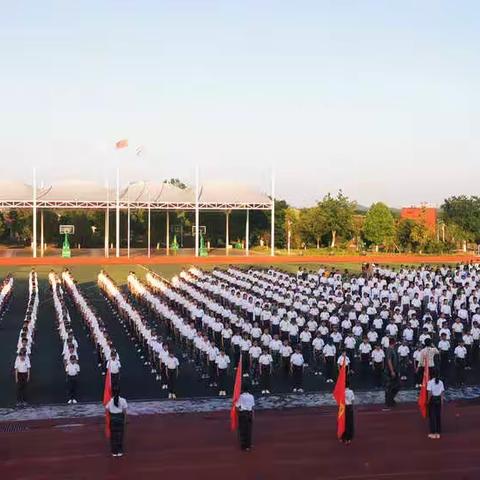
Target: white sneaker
267	391
69	402
74	401
295	390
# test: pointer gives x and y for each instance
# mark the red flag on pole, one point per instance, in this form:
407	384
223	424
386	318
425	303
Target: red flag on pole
237	390
107	396
339	395
122	143
423	396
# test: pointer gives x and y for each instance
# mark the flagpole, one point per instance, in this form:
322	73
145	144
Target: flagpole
149	223
128	221
272	231
107	223
34	239
197	210
117	217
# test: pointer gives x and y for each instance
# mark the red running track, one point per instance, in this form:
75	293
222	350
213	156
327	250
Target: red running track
289	444
238	259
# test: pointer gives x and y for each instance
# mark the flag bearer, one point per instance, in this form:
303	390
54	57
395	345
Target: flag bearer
117	409
245	405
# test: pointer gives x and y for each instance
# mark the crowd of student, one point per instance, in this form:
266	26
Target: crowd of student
136	323
284	322
22	366
67	337
5	293
107	355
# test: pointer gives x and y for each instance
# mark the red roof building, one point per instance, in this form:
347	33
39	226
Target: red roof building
427	215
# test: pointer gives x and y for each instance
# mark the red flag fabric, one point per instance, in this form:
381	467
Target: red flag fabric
107	396
339	395
237	390
122	143
423	396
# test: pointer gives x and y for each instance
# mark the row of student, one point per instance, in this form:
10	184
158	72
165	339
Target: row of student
107	354
352	344
397	327
6	289
367	297
210	358
22	366
162	360
69	342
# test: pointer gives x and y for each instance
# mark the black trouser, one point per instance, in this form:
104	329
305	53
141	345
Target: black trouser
349	425
306	347
403	366
329	368
460	370
351	356
435	414
172	379
377	373
391	389
297	376
245	429
72	386
21	386
222	379
117	426
265	377
317	355
115	380
444	356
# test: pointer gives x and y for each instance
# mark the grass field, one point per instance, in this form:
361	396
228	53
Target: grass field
88	273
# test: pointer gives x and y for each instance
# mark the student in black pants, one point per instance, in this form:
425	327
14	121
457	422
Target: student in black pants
435	389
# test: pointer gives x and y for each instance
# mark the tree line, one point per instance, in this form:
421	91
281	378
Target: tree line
335	222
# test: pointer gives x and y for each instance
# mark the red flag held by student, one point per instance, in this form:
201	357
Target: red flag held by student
339	395
423	396
107	396
237	390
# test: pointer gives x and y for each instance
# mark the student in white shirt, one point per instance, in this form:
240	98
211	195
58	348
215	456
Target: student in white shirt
460	353
223	362
296	368
265	361
114	366
245	405
72	369
22	376
435	389
172	373
378	360
117	410
347	436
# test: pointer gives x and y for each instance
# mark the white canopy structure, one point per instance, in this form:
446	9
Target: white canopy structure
151	195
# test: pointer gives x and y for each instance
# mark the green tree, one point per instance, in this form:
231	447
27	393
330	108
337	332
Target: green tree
420	235
337	213
312	225
464	212
379	227
404	234
292	225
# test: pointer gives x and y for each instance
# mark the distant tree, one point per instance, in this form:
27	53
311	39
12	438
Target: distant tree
337	213
177	183
292	225
420	235
404	234
379	227
464	212
312	225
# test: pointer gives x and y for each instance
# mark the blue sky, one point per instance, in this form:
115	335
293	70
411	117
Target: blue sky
379	98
